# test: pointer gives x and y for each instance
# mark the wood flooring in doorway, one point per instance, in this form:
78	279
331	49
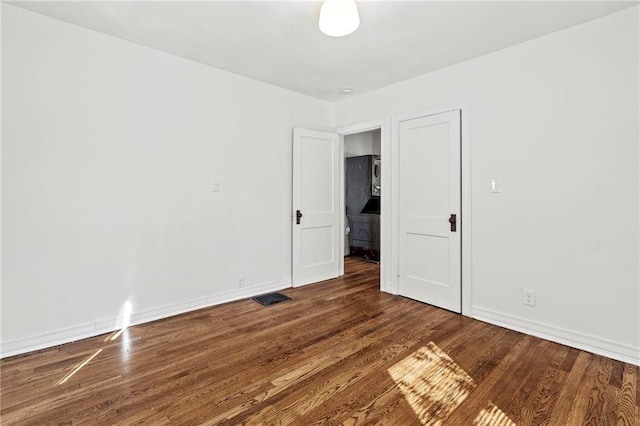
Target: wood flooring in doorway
341	352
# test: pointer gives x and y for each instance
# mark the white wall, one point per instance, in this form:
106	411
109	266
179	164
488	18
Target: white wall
363	143
110	151
358	144
556	120
376	143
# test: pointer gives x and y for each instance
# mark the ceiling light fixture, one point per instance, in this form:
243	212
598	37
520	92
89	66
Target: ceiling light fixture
346	91
338	17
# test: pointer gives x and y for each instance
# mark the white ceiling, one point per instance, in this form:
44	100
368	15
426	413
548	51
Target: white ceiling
280	43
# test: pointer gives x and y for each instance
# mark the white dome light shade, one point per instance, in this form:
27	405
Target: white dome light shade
339	17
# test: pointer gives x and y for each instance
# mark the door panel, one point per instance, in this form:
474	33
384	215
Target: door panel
316	176
316	246
316	254
429	183
434	248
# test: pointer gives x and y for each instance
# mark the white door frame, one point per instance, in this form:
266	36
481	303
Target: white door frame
384	126
465	220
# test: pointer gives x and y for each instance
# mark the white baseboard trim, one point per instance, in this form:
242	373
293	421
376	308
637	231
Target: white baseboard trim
96	328
586	342
388	287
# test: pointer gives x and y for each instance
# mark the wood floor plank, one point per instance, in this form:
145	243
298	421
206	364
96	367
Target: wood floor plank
572	401
340	352
626	405
515	401
600	398
345	372
370	361
541	402
501	382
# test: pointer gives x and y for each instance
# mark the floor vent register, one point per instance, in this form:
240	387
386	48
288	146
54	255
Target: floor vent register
271	298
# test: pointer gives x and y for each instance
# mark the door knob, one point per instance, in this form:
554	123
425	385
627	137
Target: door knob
298	216
452	222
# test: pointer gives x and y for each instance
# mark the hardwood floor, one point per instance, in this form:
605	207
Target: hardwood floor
340	352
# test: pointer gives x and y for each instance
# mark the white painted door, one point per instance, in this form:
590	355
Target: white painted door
316	205
429	195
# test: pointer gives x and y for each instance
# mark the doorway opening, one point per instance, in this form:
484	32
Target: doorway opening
362	197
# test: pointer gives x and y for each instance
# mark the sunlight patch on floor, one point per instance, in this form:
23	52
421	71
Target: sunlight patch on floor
127	309
78	367
492	416
432	383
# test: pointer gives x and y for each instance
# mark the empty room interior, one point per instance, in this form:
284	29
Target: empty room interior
320	212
